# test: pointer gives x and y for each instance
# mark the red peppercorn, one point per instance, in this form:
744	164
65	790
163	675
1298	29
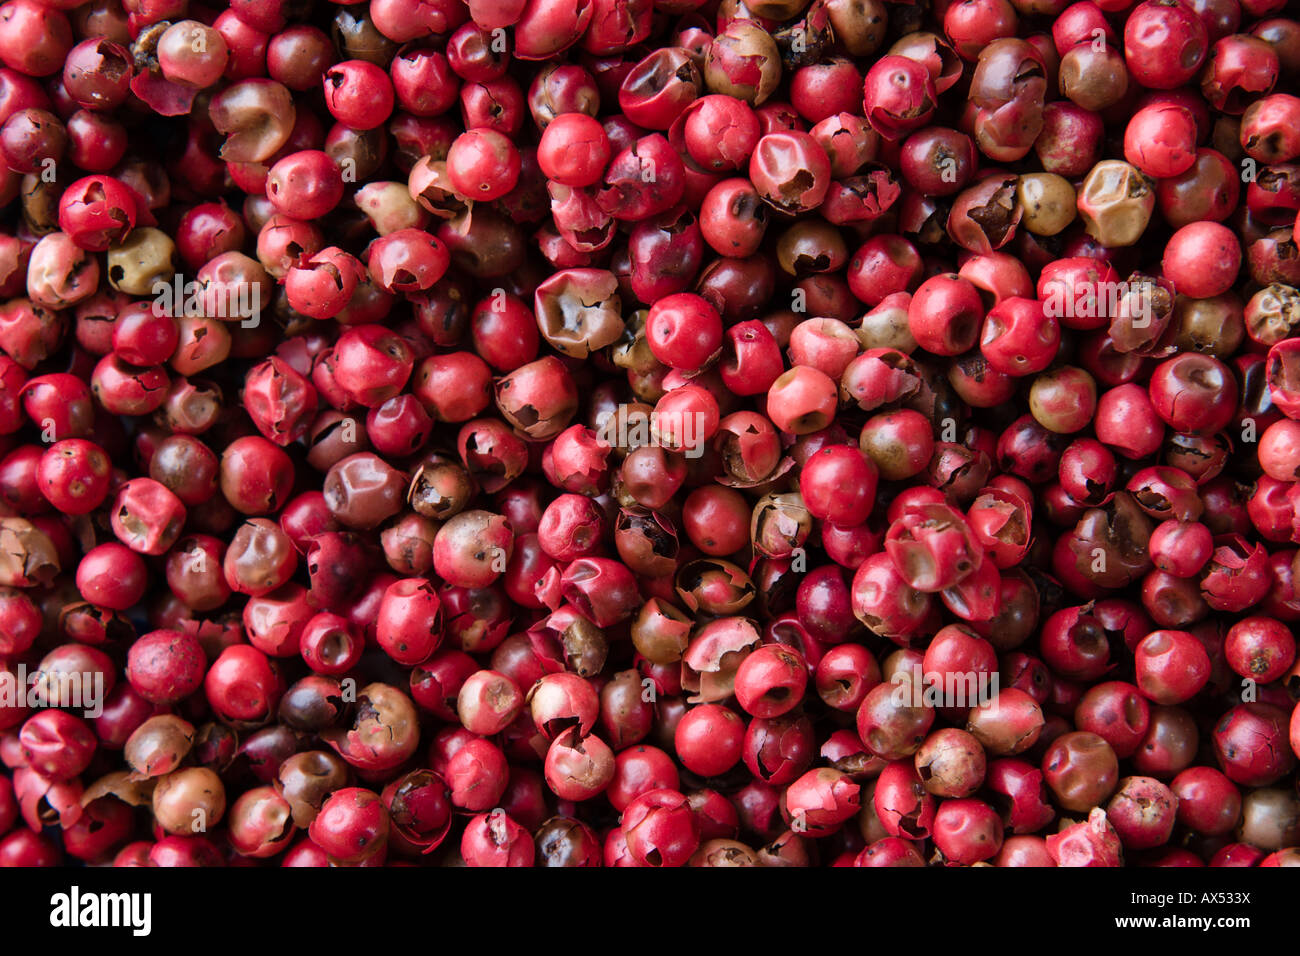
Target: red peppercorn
435	381
166	666
660	829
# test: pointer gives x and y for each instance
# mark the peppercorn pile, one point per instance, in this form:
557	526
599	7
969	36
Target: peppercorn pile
649	433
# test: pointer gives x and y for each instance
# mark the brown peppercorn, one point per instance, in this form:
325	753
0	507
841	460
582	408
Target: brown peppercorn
1273	313
1048	201
809	246
1214	326
440	487
1093	78
484	243
579	311
780	524
743	61
363	491
724	853
312	704
306	779
143	258
1115	203
1082	770
859	24
584	644
158	746
27	555
360	39
951	763
661	632
189	801
1270	819
565	842
646	541
384	733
